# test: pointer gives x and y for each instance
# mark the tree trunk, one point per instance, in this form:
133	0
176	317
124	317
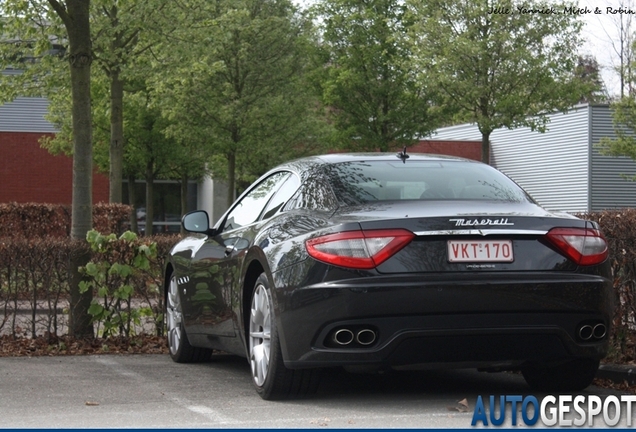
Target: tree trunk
116	137
485	147
184	197
76	20
132	199
150	179
231	178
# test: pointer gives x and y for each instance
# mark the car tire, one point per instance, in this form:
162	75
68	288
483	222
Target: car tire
272	380
180	349
574	375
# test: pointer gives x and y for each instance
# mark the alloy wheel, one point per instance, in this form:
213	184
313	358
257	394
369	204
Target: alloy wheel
174	317
260	334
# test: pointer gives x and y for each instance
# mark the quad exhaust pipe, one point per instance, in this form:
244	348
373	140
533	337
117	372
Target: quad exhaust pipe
365	337
592	331
345	336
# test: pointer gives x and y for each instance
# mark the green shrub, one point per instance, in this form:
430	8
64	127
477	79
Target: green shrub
34	284
116	266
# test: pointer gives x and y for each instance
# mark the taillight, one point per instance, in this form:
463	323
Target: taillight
358	249
581	245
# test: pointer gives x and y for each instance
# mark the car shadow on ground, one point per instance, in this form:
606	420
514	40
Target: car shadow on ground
420	382
337	383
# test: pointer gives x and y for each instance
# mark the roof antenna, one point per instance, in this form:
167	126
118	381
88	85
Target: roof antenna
402	155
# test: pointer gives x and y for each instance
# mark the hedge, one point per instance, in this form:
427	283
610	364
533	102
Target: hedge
34	284
33	220
34	272
35	252
619	228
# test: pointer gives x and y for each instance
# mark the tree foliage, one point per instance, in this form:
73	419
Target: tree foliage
124	32
589	72
32	49
624	118
499	69
367	77
232	82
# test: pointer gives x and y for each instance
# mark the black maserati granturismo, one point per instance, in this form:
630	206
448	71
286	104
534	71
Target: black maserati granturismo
390	261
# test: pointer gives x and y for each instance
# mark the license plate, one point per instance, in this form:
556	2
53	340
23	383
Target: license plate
480	251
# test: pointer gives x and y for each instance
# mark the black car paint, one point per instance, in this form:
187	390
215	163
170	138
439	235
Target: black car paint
525	310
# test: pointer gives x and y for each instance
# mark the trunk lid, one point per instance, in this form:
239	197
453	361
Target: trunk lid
464	236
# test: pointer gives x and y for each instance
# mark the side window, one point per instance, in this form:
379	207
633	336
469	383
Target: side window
251	205
284	193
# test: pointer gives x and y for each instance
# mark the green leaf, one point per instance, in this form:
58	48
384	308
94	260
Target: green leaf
141	262
145	312
126	292
92	236
85	286
128	236
122	270
95	309
91	269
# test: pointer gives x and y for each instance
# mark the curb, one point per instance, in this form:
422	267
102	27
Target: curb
617	373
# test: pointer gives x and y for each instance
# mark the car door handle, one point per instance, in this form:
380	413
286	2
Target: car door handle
229	249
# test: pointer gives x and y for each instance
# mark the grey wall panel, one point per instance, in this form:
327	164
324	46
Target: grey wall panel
25	114
552	166
463	132
608	188
10	72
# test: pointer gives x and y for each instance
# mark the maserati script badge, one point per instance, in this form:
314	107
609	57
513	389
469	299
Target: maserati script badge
481	222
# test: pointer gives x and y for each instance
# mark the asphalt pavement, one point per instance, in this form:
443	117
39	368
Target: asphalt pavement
150	391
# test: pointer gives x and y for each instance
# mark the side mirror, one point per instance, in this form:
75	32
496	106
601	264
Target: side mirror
196	222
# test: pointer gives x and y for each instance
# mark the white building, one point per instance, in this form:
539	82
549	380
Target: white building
561	168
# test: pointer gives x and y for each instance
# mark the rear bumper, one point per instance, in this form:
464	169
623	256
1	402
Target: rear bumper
443	320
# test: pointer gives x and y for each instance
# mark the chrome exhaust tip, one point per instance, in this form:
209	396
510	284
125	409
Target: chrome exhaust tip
599	331
586	332
343	337
365	337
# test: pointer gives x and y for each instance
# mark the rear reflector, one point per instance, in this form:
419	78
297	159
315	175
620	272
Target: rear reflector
358	249
583	246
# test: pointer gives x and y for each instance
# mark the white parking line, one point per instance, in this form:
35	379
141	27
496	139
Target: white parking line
207	412
117	367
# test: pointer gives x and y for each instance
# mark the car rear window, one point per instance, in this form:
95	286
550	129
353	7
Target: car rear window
360	182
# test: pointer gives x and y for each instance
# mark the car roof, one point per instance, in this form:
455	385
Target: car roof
312	161
307	164
348	157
